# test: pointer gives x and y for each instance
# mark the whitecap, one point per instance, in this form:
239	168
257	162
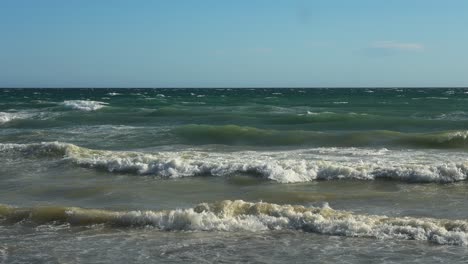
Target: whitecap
280	166
238	215
84	105
437	98
6	117
449	92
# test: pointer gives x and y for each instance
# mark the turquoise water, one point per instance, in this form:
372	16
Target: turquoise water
233	175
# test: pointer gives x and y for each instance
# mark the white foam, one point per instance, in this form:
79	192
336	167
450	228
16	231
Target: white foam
6	117
316	113
453	135
233	216
281	166
244	216
437	98
284	167
84	105
453	116
449	92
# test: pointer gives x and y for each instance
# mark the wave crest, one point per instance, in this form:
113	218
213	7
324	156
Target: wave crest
6	117
245	216
84	105
280	166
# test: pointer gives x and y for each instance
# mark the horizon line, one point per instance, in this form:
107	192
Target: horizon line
246	87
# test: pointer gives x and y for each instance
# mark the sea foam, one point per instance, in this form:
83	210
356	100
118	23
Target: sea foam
281	166
238	215
6	117
84	105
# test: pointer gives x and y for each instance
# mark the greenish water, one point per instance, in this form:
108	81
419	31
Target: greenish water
143	175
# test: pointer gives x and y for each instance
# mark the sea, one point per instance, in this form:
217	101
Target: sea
290	175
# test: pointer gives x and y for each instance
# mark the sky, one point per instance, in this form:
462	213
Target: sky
242	43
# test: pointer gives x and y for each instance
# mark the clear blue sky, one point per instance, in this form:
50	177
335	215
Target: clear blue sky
242	43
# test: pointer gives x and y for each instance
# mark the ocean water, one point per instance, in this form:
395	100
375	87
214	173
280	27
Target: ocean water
234	175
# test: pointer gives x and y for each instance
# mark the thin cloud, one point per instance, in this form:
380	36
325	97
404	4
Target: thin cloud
397	46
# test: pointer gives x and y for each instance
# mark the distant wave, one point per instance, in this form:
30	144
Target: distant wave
452	116
84	105
280	166
279	115
9	116
285	116
310	117
238	215
233	134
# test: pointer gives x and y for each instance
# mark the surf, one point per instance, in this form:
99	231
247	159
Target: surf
287	166
238	215
84	105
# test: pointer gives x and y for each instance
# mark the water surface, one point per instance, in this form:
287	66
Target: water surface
233	175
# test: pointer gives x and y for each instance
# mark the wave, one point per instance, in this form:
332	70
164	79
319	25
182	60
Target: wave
238	215
311	117
306	116
270	114
452	116
6	117
277	115
233	134
9	117
281	166
84	105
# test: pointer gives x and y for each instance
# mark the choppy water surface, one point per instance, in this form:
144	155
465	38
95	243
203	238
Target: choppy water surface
233	175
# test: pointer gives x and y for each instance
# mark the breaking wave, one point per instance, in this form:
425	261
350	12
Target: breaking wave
281	166
6	117
25	116
84	105
238	215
